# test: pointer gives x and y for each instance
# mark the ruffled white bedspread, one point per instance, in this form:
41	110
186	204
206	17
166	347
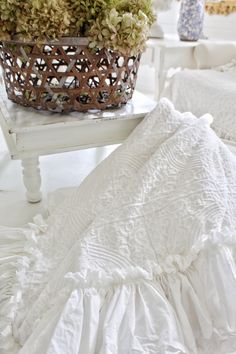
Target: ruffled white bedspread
139	259
212	91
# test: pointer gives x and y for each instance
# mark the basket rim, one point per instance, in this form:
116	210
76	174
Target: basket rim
61	41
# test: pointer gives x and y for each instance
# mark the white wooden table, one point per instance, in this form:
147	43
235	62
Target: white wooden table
170	52
30	134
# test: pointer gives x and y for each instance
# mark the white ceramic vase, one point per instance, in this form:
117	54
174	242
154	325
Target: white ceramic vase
191	18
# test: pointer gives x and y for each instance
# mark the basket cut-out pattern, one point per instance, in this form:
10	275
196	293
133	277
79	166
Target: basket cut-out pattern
63	77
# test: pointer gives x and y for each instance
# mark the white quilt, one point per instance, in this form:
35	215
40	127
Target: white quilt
137	260
212	91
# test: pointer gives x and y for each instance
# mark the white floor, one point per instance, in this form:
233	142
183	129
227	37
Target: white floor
58	171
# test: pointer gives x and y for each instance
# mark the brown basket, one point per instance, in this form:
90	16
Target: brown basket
67	75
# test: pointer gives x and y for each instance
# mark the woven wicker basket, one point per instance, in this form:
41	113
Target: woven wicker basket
66	75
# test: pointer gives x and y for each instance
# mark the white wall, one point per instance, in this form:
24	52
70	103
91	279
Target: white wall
215	27
222	27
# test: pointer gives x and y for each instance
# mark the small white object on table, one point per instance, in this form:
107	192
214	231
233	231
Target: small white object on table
30	134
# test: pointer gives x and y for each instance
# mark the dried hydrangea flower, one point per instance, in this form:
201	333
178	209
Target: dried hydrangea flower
85	12
134	6
9	11
120	25
125	33
123	27
42	20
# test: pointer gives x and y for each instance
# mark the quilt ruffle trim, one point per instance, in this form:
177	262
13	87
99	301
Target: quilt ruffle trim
18	255
200	287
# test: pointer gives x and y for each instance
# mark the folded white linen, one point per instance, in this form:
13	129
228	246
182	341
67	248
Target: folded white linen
210	55
212	91
139	259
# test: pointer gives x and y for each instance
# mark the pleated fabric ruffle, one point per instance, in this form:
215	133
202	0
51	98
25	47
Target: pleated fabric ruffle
184	305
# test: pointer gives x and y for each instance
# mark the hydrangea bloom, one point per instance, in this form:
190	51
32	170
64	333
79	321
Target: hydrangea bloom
120	25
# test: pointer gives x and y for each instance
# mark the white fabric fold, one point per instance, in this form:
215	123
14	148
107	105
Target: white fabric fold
139	259
207	91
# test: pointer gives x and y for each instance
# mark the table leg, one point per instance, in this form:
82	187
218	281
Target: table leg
32	179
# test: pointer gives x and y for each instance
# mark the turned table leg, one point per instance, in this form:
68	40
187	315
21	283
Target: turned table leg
32	179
